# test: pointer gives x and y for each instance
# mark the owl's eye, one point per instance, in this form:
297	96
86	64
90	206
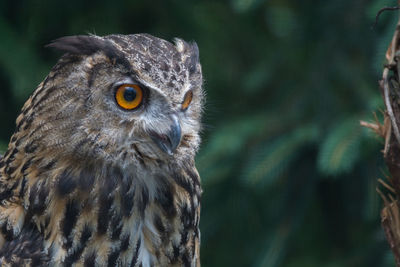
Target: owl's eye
129	96
187	100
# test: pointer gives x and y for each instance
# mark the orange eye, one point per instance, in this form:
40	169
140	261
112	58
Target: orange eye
129	96
187	100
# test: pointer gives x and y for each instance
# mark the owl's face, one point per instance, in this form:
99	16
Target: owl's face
123	96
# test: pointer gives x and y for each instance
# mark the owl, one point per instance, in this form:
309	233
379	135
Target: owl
100	170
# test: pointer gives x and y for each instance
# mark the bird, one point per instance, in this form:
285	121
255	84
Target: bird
100	170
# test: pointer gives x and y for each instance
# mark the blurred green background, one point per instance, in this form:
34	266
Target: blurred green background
289	176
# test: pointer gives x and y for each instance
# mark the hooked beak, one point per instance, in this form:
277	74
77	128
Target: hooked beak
169	141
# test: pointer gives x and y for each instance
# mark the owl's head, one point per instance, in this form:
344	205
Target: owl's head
118	97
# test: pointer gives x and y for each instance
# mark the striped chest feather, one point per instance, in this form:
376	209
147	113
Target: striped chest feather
110	217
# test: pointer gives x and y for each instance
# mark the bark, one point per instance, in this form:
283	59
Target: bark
390	89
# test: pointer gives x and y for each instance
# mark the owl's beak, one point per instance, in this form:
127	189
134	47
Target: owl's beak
169	141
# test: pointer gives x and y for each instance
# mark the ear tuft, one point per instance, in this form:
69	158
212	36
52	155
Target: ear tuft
190	52
88	45
80	44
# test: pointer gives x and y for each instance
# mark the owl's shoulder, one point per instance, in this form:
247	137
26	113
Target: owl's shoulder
12	212
25	250
20	243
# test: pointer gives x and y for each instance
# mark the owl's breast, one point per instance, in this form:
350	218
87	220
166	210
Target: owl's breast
121	219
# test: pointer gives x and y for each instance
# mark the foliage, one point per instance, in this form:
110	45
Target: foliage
287	83
340	149
3	147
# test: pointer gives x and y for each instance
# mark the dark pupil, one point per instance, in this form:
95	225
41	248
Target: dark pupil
129	94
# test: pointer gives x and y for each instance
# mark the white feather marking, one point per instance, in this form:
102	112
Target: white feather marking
144	254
